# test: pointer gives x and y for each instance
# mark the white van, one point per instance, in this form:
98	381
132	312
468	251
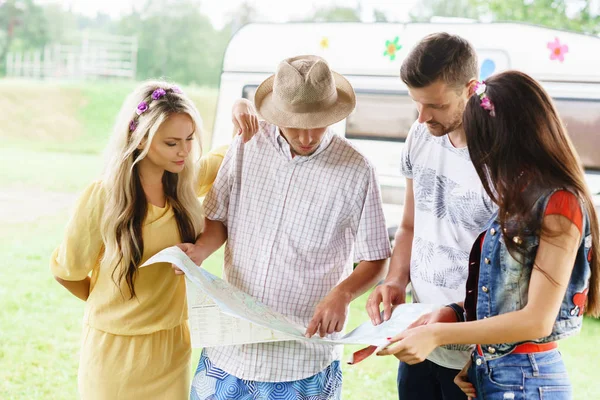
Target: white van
370	55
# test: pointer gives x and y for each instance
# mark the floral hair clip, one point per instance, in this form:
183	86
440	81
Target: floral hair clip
486	103
145	105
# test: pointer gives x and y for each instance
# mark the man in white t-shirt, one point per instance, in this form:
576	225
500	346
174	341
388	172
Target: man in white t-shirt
445	208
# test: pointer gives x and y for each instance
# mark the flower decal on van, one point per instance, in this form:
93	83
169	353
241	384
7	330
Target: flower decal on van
324	43
558	50
391	48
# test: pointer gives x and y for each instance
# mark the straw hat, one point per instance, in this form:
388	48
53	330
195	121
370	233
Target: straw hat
304	93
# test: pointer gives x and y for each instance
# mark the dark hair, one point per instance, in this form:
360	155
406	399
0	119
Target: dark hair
440	56
522	150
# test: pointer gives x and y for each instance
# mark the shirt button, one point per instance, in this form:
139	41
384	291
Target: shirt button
517	240
491	350
493	231
487	260
485	289
478	362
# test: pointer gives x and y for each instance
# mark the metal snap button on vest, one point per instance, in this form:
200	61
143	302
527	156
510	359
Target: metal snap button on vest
487	260
478	362
491	350
492	231
485	289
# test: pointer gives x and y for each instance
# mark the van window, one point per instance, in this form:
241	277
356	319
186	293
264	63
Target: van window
389	116
582	120
381	116
248	92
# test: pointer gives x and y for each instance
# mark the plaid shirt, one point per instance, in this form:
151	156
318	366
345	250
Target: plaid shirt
294	225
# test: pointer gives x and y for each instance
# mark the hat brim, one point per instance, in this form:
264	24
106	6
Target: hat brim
267	108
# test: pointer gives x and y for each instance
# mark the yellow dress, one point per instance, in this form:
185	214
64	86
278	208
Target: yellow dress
138	348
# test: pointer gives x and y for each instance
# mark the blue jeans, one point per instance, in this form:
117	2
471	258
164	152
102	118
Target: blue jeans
521	376
428	381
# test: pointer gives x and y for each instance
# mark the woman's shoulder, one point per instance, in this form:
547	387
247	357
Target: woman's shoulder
92	199
97	191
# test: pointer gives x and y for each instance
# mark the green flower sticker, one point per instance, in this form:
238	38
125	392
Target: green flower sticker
391	48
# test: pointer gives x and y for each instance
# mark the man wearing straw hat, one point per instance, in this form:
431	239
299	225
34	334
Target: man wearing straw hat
297	205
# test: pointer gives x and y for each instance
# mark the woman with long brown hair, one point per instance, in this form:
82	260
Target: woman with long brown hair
534	272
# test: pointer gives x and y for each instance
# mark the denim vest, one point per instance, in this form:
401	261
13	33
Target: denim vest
503	283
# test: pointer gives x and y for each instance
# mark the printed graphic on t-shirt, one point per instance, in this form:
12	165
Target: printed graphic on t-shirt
452	275
446	199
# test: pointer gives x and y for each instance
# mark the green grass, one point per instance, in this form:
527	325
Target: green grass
75	117
41	323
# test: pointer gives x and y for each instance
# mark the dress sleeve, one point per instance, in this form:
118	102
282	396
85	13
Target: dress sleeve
208	169
82	244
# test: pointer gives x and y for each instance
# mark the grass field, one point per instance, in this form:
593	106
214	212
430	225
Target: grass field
40	322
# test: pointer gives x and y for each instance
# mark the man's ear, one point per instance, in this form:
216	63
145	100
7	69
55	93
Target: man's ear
471	86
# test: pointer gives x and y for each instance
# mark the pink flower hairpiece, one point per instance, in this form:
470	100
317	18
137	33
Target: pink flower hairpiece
145	105
485	101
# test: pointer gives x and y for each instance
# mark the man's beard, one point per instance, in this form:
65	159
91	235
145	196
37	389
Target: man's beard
438	129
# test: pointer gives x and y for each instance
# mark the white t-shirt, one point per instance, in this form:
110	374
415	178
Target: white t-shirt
451	210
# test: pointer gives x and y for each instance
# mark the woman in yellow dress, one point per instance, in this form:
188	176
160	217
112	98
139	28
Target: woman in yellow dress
135	342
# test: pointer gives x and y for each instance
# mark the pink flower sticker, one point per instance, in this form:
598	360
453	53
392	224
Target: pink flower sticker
557	50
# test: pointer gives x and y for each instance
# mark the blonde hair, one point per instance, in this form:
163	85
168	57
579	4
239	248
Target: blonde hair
127	206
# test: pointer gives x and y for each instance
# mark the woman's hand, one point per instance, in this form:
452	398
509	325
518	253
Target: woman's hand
244	119
413	345
462	381
194	252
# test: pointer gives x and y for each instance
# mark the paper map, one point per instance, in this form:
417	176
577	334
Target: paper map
221	314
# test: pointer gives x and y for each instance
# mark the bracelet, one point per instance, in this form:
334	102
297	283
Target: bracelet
459	311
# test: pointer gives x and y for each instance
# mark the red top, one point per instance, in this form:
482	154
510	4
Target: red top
562	203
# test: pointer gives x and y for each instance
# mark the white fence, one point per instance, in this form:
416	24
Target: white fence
96	57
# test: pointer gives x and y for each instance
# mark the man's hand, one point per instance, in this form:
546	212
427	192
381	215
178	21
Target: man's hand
193	251
330	314
390	294
244	119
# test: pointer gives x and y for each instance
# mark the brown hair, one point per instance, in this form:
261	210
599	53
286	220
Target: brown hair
525	145
440	56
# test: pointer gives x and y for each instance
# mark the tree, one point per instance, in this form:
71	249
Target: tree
427	9
379	16
175	42
62	26
557	14
551	13
336	14
244	14
22	25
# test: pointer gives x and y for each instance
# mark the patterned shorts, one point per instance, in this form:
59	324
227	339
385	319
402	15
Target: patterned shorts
212	383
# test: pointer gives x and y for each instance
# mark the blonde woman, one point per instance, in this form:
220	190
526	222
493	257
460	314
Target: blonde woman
135	342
